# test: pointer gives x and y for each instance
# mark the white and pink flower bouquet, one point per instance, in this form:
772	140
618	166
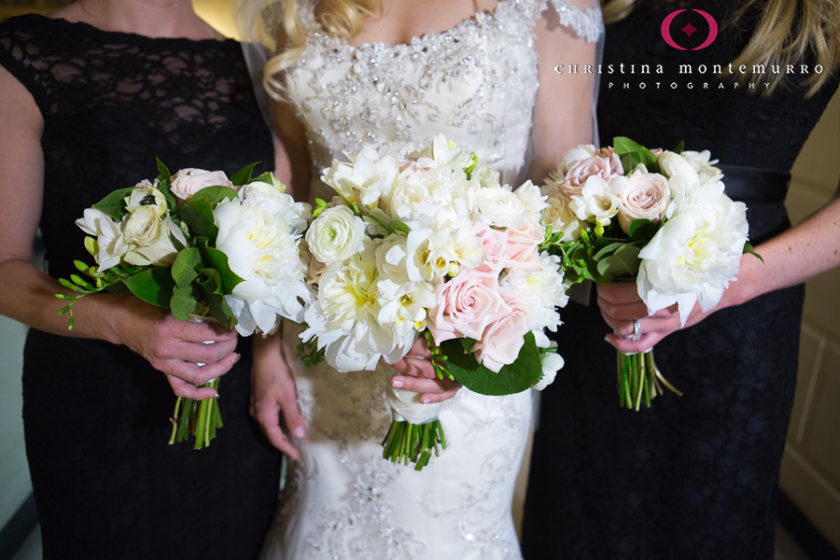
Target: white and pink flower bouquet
432	246
659	218
205	247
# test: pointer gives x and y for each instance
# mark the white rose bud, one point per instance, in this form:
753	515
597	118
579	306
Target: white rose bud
186	182
142	227
335	235
641	196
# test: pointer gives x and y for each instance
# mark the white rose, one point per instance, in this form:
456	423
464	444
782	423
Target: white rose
110	245
186	182
335	234
641	196
149	238
693	256
561	218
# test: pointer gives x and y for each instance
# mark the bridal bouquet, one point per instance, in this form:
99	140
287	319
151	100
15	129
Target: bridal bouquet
432	246
205	247
658	217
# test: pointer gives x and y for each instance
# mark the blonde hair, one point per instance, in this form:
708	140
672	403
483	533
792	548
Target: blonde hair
342	19
787	32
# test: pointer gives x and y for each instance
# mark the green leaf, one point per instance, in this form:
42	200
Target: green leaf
184	266
114	204
680	147
199	219
243	176
642	230
608	250
269	179
164	181
632	153
623	263
749	249
153	285
212	195
219	262
182	302
512	378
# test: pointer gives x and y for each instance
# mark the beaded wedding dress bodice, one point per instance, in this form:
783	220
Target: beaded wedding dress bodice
476	83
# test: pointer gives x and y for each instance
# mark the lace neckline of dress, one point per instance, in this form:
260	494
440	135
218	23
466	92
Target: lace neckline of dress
420	42
123	36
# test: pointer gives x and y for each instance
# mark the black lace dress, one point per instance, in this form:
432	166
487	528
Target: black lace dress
106	483
691	477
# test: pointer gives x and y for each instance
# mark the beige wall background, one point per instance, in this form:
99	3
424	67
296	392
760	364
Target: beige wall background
811	466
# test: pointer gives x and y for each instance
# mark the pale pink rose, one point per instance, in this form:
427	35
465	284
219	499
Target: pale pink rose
494	243
522	249
503	338
642	196
186	182
466	305
606	167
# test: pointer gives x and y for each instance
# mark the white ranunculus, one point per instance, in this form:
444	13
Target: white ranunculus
596	203
262	250
335	234
110	244
641	196
365	179
146	194
693	256
186	182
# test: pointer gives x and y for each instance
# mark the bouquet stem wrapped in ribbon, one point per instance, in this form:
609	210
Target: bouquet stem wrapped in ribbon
205	247
434	246
656	217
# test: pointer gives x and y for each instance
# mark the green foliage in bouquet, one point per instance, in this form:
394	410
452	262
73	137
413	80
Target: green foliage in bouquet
195	283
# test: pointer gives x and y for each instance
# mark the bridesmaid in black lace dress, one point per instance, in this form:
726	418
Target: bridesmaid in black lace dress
692	477
88	99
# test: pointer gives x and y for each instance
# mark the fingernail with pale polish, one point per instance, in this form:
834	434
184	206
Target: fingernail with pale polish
215	395
299	432
236	358
397	383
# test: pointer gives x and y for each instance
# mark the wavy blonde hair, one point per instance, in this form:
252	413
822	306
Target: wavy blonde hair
342	19
787	32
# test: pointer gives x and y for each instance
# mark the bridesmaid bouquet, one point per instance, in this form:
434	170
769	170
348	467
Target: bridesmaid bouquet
205	247
658	217
431	246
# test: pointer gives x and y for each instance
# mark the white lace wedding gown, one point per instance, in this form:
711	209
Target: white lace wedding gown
476	83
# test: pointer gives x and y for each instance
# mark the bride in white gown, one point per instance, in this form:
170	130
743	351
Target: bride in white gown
488	81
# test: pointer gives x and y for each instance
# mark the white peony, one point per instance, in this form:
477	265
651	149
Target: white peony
693	256
545	286
345	316
335	234
703	165
673	165
262	249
